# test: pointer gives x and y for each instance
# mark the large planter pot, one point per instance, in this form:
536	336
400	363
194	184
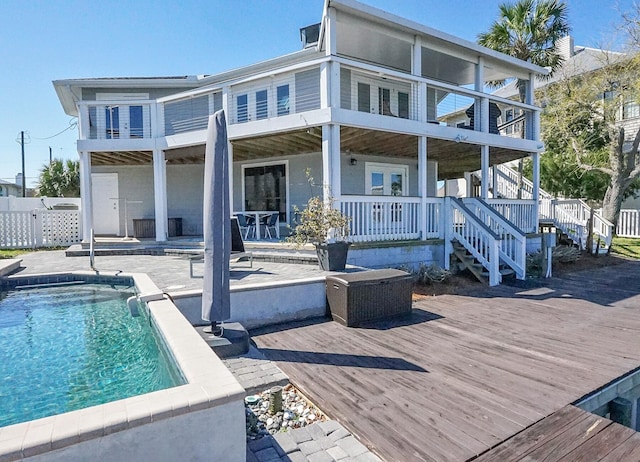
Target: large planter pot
332	256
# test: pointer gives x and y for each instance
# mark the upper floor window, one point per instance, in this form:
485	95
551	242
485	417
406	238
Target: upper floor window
262	111
242	106
282	94
136	127
113	122
630	110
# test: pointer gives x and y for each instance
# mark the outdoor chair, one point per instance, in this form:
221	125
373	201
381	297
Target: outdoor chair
237	249
270	222
247	224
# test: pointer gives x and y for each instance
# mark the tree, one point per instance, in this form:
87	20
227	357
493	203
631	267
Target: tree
584	126
529	30
59	179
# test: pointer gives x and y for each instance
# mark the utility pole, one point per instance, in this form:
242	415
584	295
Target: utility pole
24	177
50	157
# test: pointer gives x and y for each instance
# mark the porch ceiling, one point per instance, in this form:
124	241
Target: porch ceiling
453	158
121	158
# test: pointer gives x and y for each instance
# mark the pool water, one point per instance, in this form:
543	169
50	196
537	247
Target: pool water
74	346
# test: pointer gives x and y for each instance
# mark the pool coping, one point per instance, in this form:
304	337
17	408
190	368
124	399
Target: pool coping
209	384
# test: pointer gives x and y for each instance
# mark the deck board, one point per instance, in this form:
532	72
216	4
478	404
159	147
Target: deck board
463	374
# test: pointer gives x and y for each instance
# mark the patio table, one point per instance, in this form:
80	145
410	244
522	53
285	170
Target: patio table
258	215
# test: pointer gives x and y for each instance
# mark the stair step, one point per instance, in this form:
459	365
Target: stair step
507	271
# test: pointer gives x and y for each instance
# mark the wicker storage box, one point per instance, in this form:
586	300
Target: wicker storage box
354	298
146	227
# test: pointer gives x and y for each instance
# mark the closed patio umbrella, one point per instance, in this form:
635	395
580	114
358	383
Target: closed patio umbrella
217	225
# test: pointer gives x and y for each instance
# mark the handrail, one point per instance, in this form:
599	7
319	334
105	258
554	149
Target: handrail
477	238
513	242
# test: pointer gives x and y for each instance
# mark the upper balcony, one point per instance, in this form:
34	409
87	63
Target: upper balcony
362	95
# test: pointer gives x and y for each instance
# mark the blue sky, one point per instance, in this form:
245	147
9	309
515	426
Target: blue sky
44	40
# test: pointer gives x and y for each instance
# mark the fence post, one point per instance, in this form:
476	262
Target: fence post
36	228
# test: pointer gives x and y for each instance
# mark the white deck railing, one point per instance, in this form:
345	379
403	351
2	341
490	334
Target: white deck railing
628	223
479	240
519	212
39	228
513	242
382	218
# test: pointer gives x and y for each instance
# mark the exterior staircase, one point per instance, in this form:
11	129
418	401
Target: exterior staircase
465	260
570	216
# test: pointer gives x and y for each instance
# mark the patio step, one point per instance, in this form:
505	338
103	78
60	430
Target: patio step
272	255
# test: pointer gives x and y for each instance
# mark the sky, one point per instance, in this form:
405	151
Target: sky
46	40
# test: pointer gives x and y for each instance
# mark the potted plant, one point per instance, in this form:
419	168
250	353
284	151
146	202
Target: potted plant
324	226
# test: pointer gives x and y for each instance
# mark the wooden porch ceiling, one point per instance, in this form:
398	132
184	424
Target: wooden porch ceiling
453	158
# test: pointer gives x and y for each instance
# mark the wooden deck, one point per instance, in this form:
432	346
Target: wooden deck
568	435
463	374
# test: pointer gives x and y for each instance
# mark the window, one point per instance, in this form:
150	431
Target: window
265	188
364	97
403	105
630	110
113	123
136	128
261	104
384	101
282	93
242	108
217	101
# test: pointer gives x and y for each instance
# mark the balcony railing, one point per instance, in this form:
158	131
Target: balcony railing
110	120
297	89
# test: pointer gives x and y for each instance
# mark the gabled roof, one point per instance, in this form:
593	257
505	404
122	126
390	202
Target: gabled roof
577	60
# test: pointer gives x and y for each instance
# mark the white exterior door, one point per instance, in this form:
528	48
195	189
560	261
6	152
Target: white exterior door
106	205
386	179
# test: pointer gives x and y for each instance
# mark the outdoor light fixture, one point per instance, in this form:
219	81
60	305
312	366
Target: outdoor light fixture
353	161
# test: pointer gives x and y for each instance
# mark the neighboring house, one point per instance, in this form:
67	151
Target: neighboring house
359	107
10	189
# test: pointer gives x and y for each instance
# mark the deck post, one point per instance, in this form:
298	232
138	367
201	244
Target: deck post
484	182
535	157
86	202
422	184
160	194
331	171
447	227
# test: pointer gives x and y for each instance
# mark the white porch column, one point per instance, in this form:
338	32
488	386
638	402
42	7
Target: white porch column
330	32
468	179
484	184
422	184
86	200
330	84
331	162
479	113
160	194
535	157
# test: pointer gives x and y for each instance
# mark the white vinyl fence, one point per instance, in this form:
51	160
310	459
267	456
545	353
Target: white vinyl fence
39	228
628	223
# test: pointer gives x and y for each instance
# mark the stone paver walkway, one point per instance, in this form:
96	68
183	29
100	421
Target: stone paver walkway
321	442
254	372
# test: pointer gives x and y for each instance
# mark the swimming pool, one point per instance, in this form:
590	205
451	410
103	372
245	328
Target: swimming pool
71	346
166	424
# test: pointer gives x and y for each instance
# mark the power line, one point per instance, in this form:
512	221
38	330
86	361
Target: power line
72	124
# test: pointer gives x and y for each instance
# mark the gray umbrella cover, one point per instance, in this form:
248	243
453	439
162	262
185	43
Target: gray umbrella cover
216	223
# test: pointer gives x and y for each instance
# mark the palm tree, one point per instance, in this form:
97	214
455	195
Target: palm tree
59	179
529	30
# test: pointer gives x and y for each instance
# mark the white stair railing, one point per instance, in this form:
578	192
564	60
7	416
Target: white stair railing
513	242
479	240
570	215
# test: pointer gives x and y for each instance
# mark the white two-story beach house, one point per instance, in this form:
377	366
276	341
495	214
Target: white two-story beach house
360	105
